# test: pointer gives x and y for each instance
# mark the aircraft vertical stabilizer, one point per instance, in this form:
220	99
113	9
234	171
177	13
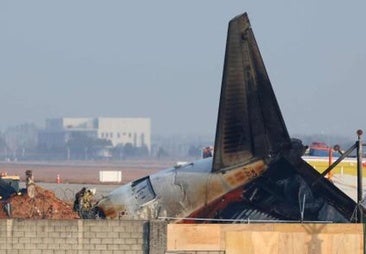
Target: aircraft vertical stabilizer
250	124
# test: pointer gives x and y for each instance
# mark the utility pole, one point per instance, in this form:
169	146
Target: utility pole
359	175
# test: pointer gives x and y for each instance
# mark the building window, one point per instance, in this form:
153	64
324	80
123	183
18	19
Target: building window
106	135
129	135
111	134
118	135
102	135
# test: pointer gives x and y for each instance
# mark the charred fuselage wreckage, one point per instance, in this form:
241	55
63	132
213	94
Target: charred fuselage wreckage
256	173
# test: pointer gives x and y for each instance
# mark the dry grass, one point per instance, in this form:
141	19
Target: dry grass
348	167
83	172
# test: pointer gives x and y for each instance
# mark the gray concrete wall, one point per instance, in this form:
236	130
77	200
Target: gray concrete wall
82	236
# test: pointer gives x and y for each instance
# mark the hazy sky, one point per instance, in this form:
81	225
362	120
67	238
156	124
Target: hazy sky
164	59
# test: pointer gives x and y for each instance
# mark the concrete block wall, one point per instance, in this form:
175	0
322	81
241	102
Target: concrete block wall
81	236
157	237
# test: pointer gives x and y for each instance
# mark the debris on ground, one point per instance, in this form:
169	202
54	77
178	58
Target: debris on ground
84	203
44	205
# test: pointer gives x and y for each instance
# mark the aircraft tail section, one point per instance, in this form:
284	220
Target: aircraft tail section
250	124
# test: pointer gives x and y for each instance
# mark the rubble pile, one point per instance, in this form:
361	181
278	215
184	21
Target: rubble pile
44	205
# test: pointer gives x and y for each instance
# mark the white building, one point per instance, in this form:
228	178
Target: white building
136	131
125	130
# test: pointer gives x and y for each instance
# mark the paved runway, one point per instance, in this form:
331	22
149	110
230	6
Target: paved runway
348	184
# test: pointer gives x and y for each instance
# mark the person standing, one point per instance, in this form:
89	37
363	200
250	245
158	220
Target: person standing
30	185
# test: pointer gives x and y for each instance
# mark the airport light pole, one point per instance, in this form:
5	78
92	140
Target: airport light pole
358	146
359	175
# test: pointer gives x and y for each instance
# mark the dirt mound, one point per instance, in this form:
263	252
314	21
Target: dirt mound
45	205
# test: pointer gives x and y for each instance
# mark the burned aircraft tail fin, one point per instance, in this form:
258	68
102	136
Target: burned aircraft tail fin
250	124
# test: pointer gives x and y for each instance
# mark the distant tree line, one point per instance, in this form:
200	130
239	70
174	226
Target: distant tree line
21	143
83	147
16	142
